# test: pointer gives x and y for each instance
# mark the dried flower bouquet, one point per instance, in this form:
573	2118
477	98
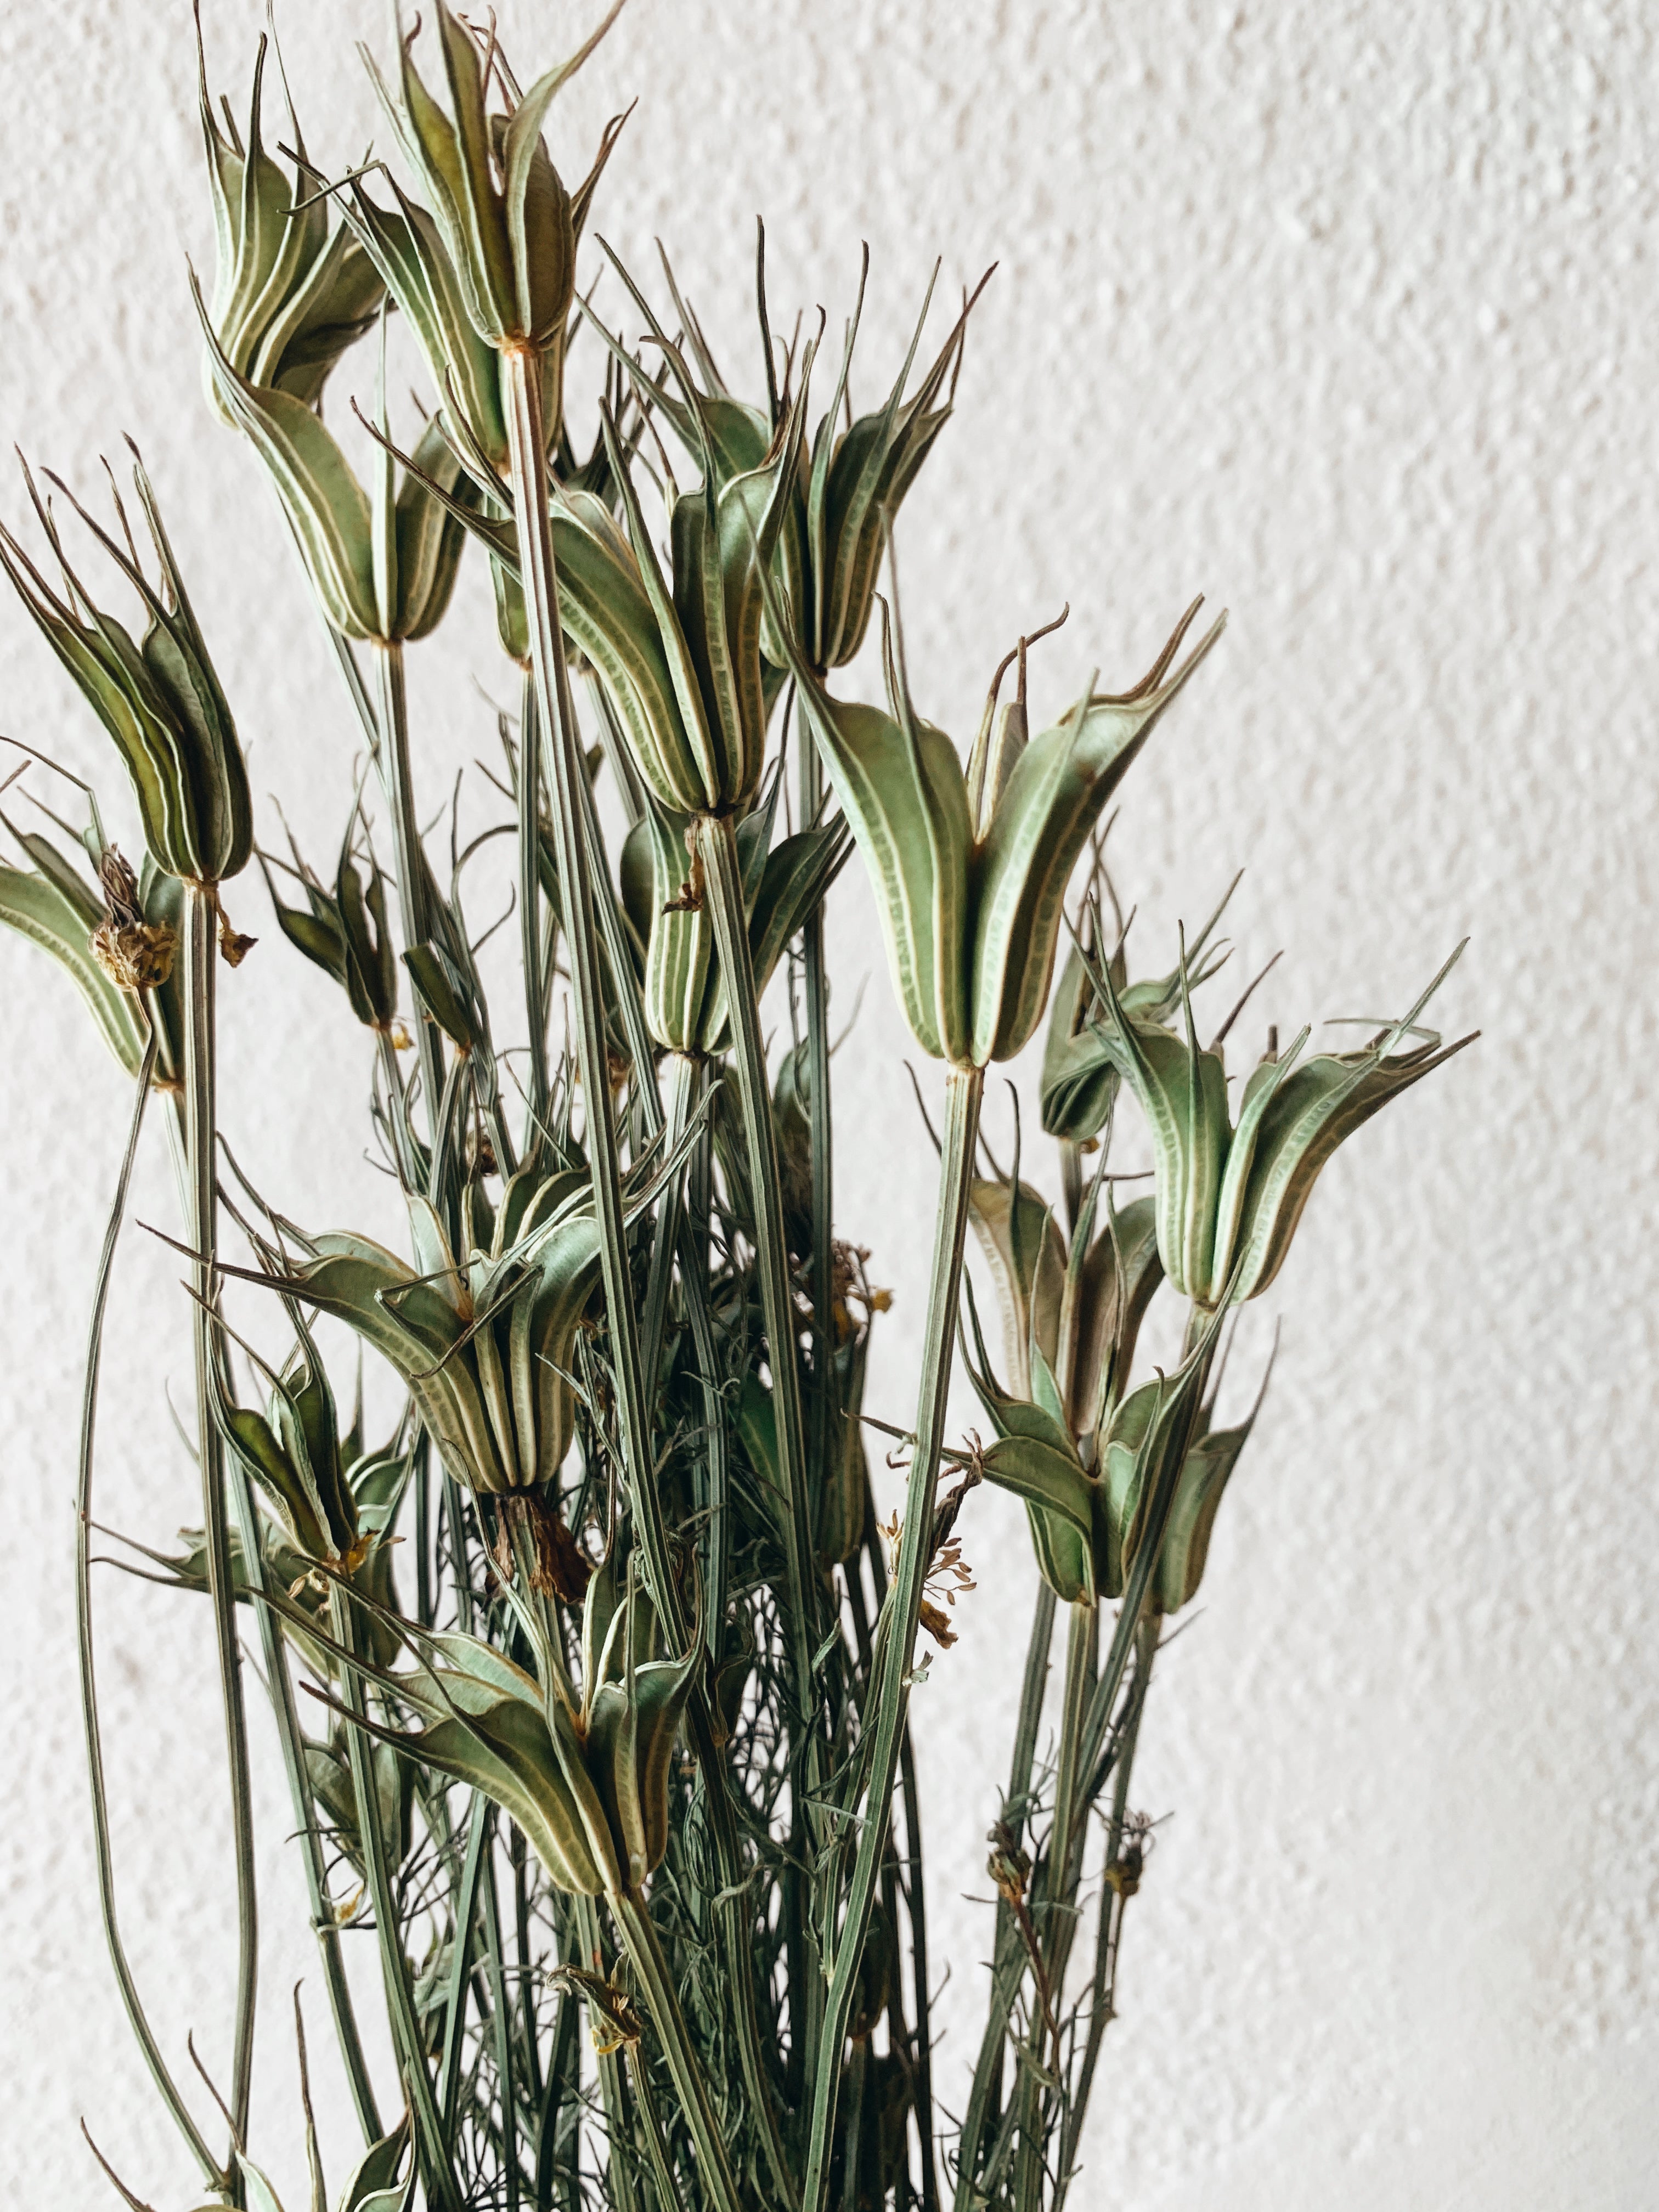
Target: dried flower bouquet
591	1674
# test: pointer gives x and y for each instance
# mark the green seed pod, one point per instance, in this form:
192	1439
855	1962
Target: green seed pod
701	751
684	995
381	566
406	249
842	495
1080	1079
1087	1523
484	1347
634	1703
971	912
328	1768
1204	1473
344	932
509	225
291	294
1025	1251
1228	1199
588	1785
160	700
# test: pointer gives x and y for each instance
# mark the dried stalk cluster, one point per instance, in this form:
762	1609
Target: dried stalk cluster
608	1738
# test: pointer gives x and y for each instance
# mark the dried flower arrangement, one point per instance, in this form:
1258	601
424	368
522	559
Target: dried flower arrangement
609	1659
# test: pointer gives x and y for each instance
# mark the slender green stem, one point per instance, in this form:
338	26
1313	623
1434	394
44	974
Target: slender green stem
460	1964
611	2097
694	1286
136	2017
202	1234
530	919
915	1899
559	2113
398	781
1115	1895
1009	1954
521	390
964	1088
716	840
432	2155
503	2025
718	2189
655	2135
826	1406
1056	1912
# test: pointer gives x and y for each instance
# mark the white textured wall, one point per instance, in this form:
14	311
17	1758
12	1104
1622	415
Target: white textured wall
1342	314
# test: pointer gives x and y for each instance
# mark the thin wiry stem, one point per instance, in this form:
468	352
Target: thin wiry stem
717	843
138	2020
964	1088
521	388
1009	1955
432	2155
1115	1895
530	897
397	777
719	2191
202	1233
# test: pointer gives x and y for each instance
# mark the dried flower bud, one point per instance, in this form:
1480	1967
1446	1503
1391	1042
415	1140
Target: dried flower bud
134	954
1008	1866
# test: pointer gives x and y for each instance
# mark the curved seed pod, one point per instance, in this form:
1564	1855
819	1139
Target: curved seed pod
344	932
488	265
1304	1116
679	936
1121	1273
685	1003
1036	1458
393	1775
1025	1251
632	1722
485	1347
381	569
486	1723
1204	1473
408	253
971	923
1080	1078
159	699
291	295
1052	798
327	508
840	500
1183	1093
1229	1200
427	539
900	788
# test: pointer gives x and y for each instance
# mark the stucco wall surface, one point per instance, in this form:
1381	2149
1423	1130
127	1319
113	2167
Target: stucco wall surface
1343	314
